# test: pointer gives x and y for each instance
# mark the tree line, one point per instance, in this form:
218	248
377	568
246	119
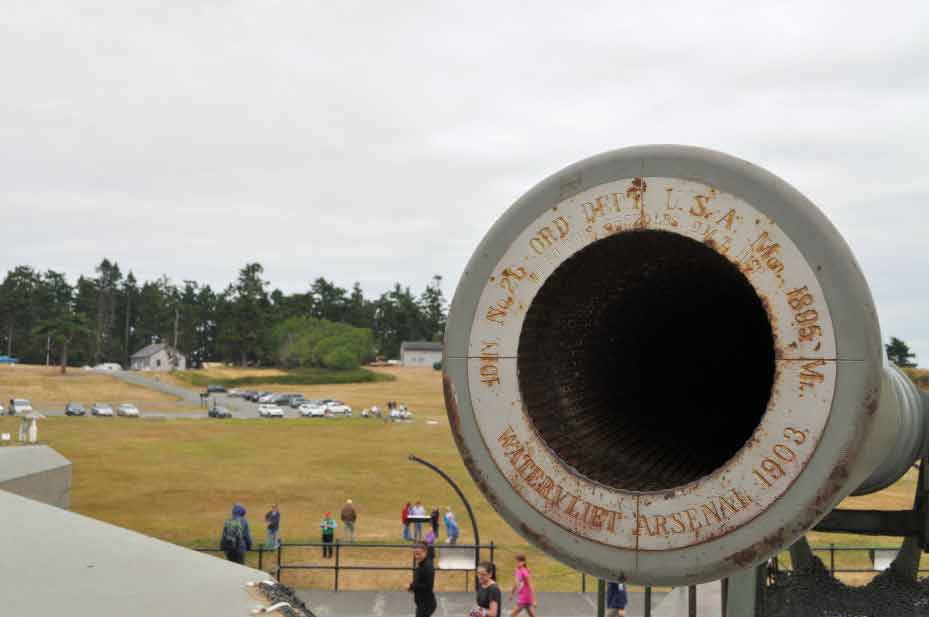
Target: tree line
109	316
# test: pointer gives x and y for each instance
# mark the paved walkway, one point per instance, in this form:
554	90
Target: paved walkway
453	604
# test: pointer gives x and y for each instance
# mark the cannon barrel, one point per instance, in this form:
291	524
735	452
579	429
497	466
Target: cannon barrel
664	363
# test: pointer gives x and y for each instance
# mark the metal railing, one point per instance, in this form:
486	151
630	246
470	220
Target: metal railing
834	553
279	564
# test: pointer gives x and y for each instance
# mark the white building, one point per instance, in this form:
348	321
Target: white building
158	357
420	353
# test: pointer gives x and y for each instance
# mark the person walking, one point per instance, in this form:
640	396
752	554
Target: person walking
434	521
423	581
616	599
236	539
523	589
349	517
451	526
420	513
489	598
405	517
328	528
430	545
273	520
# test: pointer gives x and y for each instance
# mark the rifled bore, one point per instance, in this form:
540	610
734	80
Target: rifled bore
646	360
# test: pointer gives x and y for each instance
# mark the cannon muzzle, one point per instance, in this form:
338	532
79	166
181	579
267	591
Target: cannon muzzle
664	363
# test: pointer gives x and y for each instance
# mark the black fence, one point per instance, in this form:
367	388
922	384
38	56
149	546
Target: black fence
280	561
276	560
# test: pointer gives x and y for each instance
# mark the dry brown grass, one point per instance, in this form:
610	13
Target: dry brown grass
177	479
47	388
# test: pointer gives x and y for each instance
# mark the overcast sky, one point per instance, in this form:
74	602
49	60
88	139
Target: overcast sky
378	141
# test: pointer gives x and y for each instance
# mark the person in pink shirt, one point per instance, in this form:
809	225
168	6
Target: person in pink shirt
522	588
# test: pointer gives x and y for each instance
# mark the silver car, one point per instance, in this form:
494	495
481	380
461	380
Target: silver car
101	409
128	409
19	406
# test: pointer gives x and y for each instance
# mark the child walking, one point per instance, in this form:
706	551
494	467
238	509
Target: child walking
523	589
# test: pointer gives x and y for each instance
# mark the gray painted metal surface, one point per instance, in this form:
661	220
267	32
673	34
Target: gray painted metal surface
36	472
829	422
56	562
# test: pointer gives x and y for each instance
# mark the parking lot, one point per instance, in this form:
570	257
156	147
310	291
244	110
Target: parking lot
238	407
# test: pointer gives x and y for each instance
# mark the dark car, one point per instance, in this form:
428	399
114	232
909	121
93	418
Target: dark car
75	409
215	387
218	411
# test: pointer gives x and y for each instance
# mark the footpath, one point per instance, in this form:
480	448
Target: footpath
454	604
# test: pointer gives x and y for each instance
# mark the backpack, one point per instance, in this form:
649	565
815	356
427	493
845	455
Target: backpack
233	538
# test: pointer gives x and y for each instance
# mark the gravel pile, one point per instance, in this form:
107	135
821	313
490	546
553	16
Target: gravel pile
814	592
283	593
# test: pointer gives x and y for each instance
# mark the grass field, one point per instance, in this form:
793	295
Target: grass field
177	479
47	388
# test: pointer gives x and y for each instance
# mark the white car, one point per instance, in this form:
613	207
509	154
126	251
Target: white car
312	410
337	408
270	411
101	409
19	406
266	398
128	409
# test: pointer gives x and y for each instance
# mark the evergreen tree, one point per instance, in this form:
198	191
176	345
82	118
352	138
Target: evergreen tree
899	353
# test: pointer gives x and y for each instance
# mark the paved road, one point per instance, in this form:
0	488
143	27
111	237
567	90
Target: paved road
454	604
239	407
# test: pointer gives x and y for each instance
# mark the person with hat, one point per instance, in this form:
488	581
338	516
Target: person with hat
328	528
349	517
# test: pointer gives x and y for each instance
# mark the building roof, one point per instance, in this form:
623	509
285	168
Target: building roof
82	567
420	346
151	350
87	568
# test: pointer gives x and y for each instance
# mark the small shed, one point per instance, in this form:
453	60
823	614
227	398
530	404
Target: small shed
158	357
420	353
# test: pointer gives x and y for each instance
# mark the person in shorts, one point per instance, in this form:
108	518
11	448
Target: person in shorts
523	589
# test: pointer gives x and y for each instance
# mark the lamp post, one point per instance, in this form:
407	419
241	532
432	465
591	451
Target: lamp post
477	537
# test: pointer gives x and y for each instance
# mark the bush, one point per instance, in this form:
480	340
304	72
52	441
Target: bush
340	358
437	366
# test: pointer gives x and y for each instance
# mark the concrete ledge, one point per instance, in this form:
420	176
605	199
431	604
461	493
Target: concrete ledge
36	472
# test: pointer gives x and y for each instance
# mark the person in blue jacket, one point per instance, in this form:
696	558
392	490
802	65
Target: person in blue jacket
236	539
616	599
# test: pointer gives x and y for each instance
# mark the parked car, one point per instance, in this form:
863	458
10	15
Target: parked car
268	410
74	409
215	387
297	400
312	409
101	409
2	410
235	392
266	397
128	409
337	408
218	411
19	406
